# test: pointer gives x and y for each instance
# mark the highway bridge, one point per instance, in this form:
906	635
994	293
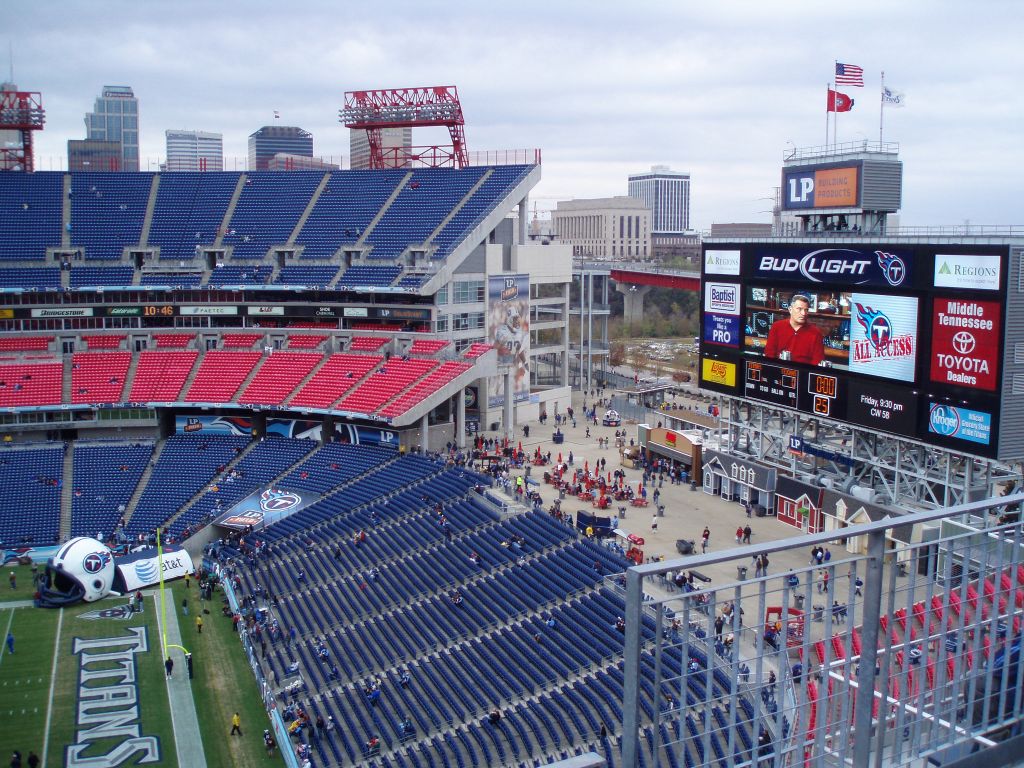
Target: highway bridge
635	279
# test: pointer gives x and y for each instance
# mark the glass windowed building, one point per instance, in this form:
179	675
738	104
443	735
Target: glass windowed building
667	194
194	151
115	117
271	140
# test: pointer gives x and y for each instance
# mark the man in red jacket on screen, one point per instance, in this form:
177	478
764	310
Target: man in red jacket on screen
793	338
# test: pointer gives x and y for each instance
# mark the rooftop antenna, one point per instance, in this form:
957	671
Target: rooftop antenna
10	56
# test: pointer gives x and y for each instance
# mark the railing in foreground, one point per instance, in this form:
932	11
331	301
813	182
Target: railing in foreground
928	632
266	692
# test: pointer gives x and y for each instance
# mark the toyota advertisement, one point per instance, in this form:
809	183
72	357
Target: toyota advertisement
906	339
966	343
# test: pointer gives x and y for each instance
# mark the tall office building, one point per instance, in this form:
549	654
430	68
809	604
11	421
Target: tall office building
115	117
667	194
194	151
274	139
390	138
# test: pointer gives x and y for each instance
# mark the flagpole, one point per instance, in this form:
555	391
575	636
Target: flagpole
826	114
835	116
881	111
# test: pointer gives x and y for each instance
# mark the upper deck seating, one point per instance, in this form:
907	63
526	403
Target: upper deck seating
190	207
107	212
344	209
31	214
267	211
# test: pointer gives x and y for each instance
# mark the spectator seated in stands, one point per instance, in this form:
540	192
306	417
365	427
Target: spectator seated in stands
495	717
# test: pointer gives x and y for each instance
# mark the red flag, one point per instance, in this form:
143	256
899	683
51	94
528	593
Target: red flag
838	102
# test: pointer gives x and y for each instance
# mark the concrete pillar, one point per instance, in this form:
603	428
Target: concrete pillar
510	427
460	418
425	433
524	216
566	354
633	311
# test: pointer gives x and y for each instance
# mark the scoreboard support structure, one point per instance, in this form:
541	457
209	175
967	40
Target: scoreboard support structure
901	472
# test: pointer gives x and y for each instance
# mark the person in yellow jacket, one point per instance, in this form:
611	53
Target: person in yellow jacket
199	624
236	724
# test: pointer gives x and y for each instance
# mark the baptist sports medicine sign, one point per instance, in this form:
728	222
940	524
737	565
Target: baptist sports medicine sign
965	343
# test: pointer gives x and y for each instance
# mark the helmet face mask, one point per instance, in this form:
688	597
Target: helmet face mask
82	570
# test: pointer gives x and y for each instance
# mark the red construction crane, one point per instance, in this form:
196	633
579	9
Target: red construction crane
403	108
20	111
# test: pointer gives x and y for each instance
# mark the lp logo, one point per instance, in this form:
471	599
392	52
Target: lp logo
801	190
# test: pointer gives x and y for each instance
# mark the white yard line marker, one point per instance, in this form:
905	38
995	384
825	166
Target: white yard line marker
53	682
3	644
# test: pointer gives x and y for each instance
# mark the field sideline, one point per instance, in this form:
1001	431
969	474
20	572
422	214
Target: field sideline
41	683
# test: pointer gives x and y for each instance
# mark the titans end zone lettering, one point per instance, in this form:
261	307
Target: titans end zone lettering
108	703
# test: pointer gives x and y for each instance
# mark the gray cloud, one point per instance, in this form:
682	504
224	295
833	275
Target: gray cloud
602	88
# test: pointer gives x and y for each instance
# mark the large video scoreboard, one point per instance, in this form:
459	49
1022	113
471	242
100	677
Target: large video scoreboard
904	339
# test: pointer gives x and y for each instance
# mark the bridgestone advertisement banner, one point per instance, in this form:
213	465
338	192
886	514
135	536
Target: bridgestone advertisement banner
142	569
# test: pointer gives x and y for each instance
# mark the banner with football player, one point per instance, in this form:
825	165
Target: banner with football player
508	329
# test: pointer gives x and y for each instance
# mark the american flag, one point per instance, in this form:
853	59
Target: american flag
849	74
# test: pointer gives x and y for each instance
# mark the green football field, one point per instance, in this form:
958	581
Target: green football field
110	699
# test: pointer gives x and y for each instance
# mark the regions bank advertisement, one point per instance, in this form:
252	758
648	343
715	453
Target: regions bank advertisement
508	329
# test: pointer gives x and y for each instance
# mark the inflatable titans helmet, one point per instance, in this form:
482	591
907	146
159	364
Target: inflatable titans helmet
82	569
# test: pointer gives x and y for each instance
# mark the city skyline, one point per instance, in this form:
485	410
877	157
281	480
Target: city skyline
603	91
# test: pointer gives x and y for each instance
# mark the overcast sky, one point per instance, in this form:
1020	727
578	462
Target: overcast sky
718	89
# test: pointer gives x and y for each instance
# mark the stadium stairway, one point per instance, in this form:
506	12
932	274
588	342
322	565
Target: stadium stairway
191	376
147	220
459	206
368	229
297	229
66	495
248	379
202	491
129	375
143	482
65	231
65	391
230	211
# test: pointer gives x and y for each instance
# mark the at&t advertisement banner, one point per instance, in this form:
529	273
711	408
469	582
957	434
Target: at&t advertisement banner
142	569
508	329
